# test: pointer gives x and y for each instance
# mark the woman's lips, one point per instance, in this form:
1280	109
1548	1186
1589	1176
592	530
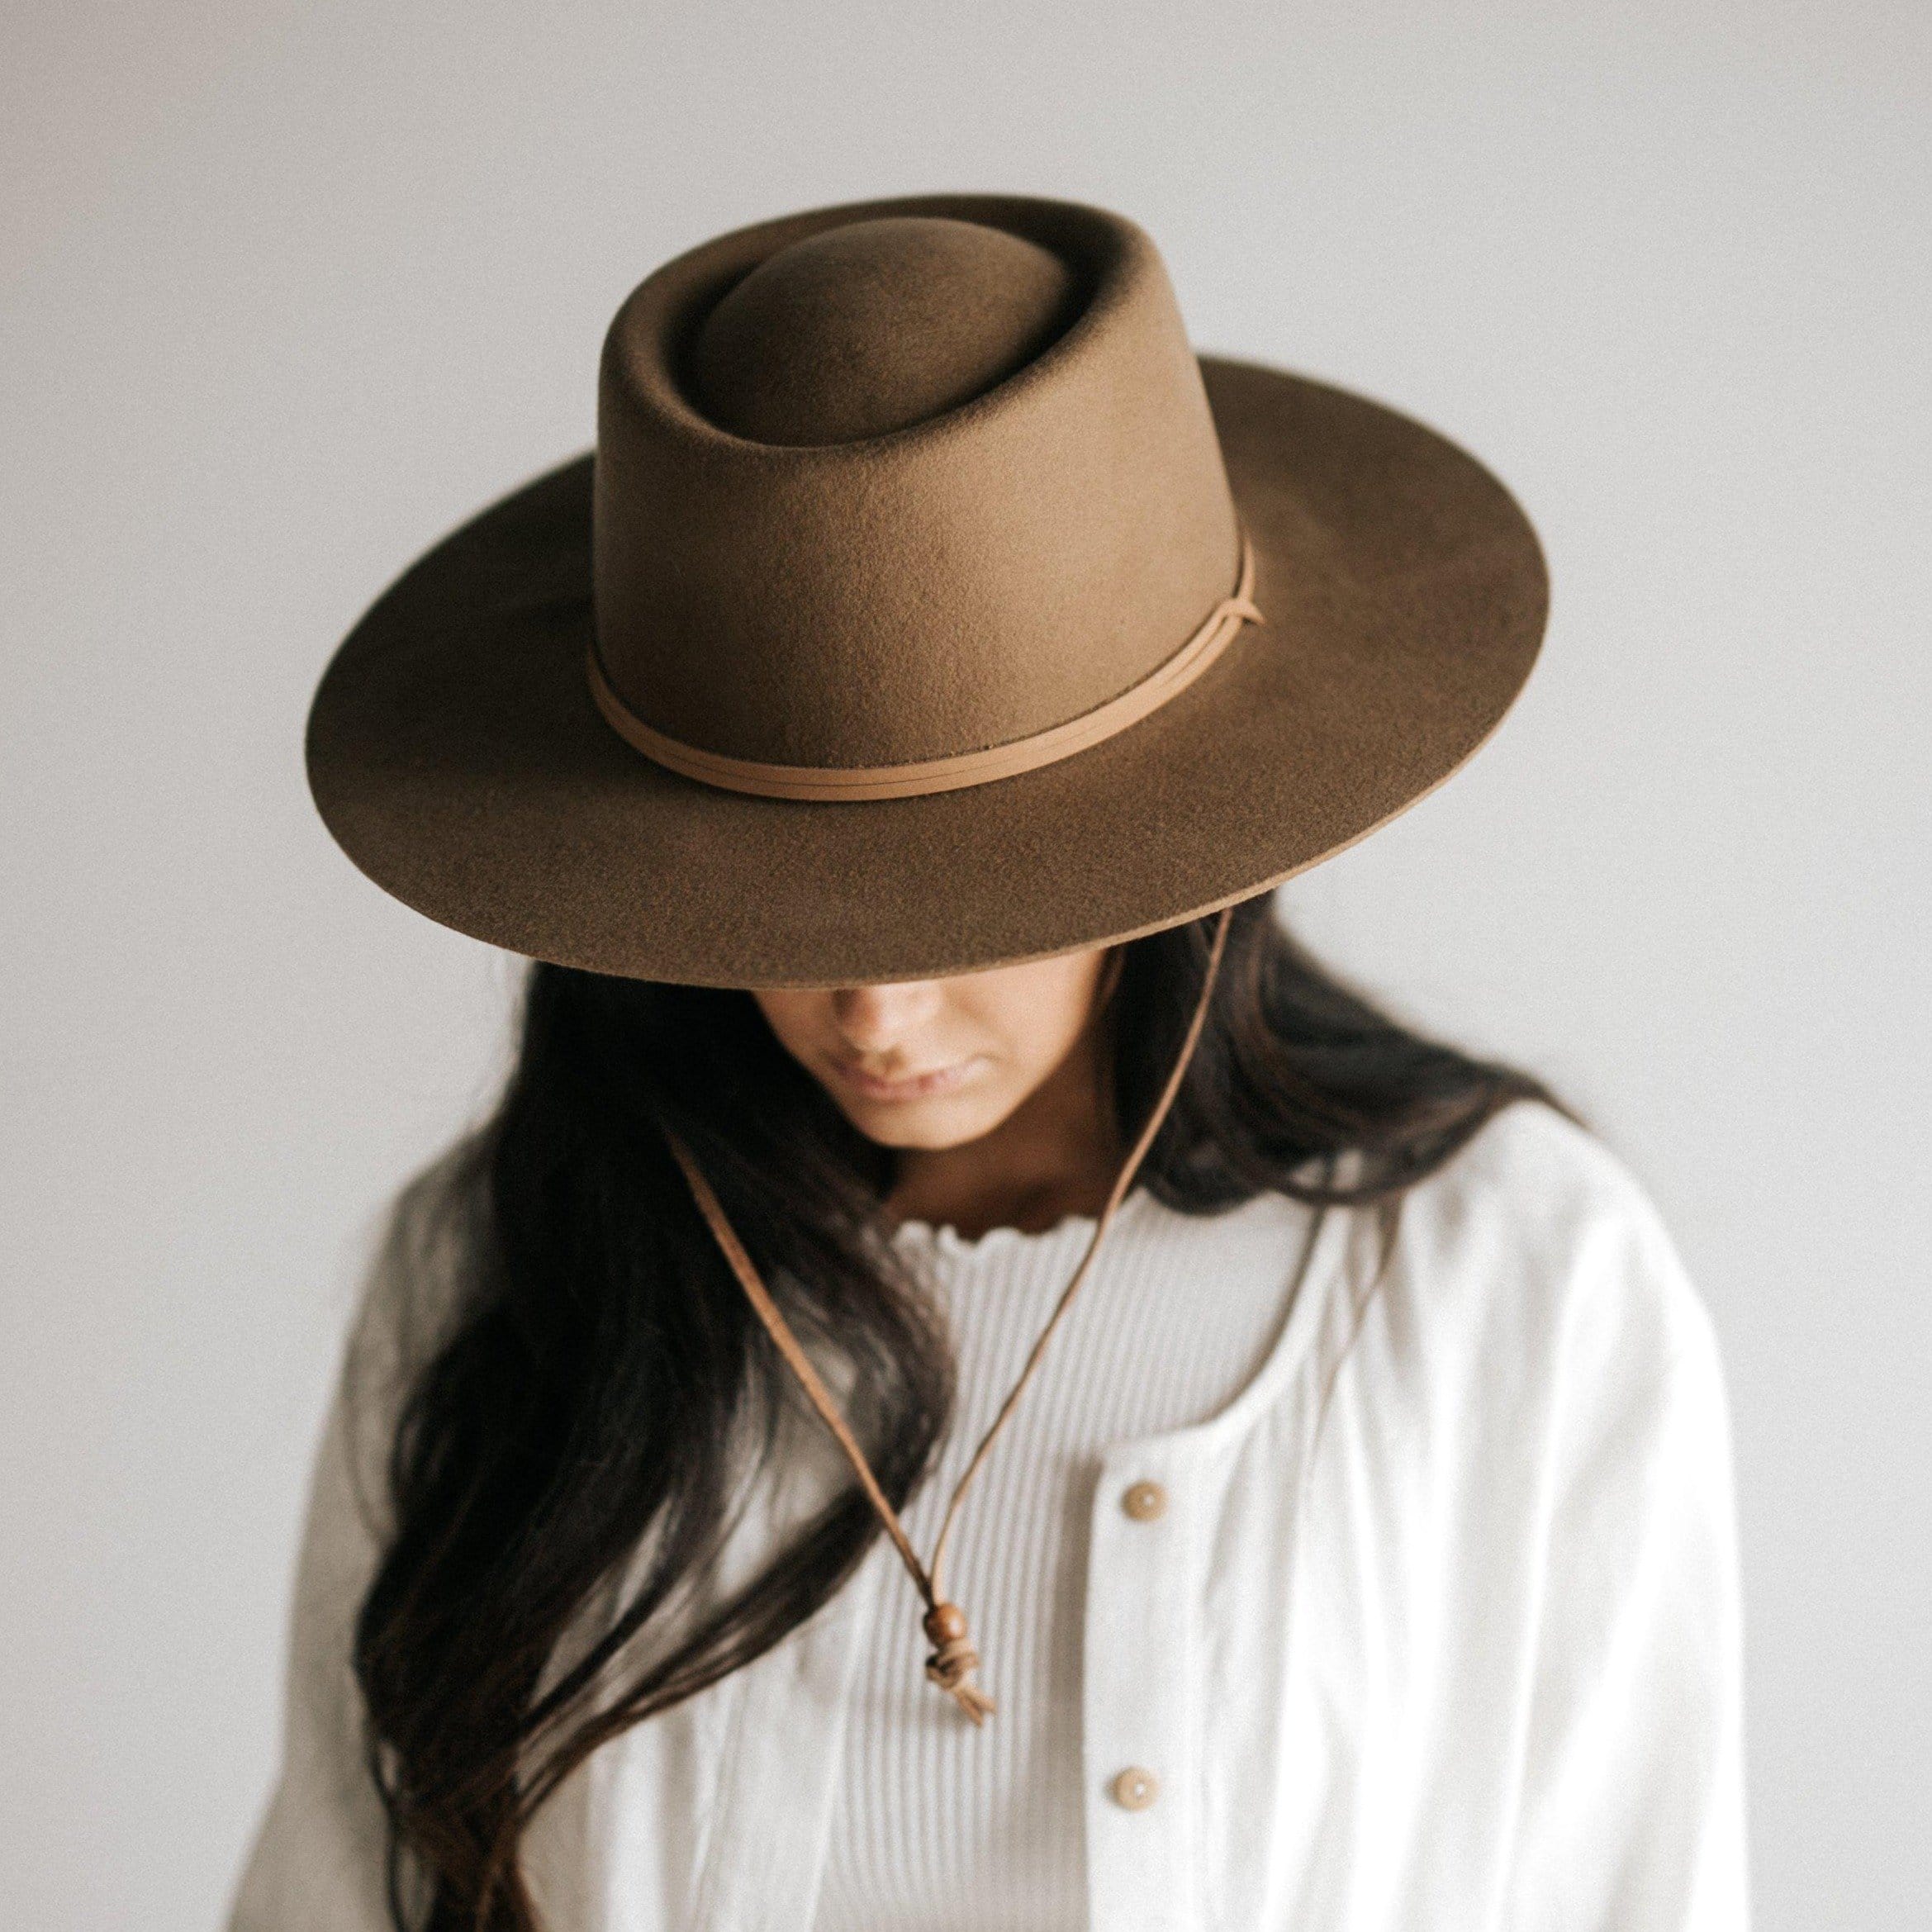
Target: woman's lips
921	1086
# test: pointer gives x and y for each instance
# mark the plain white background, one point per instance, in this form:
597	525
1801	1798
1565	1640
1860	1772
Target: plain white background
291	290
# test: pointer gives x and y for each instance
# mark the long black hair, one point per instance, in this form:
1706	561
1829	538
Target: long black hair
570	1442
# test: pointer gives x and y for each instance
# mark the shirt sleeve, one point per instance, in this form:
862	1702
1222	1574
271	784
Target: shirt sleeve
320	1856
1632	1808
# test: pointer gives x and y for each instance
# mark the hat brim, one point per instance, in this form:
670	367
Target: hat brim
455	753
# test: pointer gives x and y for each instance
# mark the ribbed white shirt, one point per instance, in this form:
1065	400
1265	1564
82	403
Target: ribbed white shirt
950	1829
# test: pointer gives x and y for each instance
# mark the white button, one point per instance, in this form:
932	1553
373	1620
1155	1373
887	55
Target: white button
1145	1501
1135	1789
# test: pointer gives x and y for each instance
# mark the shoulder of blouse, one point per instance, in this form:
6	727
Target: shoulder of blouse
1534	1267
1536	1192
408	1296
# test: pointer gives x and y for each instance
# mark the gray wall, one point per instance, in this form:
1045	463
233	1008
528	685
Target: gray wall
289	290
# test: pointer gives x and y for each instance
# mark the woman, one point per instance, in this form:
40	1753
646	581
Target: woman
967	1383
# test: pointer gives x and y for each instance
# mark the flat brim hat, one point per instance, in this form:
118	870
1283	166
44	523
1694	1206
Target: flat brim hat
927	606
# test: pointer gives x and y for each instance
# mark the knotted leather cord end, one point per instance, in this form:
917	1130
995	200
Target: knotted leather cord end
954	1660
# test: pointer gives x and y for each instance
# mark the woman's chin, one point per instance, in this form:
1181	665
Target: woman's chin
930	1124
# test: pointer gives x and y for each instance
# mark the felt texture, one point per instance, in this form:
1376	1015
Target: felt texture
982	575
873	326
455	752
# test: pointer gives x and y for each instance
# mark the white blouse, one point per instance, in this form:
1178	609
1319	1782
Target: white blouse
1436	1625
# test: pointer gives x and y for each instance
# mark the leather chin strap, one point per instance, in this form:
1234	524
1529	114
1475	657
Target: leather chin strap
953	1660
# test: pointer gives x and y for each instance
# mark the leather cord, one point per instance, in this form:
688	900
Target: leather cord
1167	680
953	1660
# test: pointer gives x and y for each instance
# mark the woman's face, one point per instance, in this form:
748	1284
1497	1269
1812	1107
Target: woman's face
935	1063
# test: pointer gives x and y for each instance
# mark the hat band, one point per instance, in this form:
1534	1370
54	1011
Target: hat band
1167	680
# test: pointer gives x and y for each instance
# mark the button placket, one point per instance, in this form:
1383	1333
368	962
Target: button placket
1139	1698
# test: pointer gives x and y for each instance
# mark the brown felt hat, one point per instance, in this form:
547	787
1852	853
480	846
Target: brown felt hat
927	606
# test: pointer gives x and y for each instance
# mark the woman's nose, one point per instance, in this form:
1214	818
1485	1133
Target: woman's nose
877	1018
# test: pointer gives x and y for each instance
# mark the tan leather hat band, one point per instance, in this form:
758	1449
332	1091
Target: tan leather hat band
1169	678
